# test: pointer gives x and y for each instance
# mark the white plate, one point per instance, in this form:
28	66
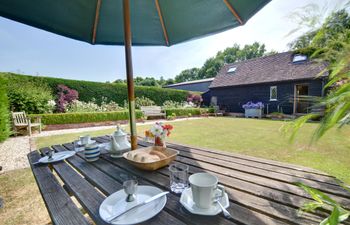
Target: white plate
116	203
90	142
187	201
57	156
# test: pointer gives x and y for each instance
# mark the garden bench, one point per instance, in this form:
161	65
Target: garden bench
20	120
60	206
152	111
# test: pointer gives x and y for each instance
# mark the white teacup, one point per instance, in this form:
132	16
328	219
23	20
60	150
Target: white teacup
204	187
84	139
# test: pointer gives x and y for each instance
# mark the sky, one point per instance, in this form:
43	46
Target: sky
28	50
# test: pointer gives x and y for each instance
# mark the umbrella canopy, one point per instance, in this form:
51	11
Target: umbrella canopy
127	22
153	22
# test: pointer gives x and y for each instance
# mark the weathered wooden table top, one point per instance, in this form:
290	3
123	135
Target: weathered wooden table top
260	191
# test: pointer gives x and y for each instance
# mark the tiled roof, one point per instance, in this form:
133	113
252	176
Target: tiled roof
272	68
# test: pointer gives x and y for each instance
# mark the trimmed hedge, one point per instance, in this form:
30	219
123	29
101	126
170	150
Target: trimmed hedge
186	111
4	110
69	118
115	92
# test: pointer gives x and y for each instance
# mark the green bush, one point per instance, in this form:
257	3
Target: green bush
29	96
69	118
185	111
112	91
143	101
4	111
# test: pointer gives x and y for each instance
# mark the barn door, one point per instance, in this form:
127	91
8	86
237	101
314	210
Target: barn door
301	98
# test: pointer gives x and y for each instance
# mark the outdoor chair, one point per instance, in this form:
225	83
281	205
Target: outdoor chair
21	121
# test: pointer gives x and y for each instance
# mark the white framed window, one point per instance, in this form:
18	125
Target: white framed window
273	93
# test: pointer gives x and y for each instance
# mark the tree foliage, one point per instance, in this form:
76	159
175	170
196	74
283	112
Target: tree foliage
331	44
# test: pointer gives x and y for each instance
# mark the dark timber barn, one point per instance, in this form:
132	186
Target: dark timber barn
283	82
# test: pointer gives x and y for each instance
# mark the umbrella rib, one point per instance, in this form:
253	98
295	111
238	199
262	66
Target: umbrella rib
97	15
233	11
162	23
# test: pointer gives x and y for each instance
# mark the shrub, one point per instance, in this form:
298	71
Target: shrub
195	99
172	104
112	91
4	110
143	101
185	111
65	96
78	106
29	96
69	118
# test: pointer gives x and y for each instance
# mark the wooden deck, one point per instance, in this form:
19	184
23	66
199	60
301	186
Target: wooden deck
260	191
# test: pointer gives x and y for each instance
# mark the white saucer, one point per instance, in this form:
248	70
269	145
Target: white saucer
187	201
107	147
57	156
90	142
116	203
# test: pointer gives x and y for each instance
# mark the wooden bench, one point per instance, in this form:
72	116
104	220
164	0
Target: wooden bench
20	120
150	111
60	206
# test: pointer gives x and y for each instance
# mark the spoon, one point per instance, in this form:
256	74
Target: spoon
226	213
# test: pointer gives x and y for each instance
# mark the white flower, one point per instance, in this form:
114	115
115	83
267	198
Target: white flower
157	130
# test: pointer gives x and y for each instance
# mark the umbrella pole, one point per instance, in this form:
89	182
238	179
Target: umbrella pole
129	73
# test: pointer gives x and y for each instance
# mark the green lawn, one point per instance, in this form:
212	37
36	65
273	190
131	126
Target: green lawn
260	138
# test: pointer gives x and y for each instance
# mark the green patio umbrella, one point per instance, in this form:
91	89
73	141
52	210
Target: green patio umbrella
132	22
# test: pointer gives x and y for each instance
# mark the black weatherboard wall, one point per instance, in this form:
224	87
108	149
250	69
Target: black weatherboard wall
232	98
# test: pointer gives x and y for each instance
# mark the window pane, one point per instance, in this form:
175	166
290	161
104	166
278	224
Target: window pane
273	93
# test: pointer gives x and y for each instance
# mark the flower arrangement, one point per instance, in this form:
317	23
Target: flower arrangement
159	131
251	105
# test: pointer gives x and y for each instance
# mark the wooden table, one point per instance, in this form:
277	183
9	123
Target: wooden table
260	191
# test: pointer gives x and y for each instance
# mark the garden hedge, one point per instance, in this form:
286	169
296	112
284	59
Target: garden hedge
186	111
69	118
112	91
4	110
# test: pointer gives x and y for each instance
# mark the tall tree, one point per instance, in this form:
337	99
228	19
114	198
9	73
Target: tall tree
230	55
187	75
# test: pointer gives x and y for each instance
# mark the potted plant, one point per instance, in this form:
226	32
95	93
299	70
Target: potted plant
253	109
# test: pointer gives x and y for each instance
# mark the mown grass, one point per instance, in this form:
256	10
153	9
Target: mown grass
260	138
22	201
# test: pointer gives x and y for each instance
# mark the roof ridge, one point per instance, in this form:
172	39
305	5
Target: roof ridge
257	58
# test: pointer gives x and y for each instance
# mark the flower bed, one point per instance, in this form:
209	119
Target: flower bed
186	111
70	118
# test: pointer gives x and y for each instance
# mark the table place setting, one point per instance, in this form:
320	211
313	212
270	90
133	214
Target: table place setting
51	156
128	206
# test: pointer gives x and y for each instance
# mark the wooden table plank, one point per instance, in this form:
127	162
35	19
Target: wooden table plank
269	208
61	208
246	178
187	152
252	159
84	192
108	186
176	208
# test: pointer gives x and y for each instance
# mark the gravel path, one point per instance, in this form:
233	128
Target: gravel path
13	152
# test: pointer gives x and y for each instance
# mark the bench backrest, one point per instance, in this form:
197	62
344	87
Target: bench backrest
19	118
151	109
